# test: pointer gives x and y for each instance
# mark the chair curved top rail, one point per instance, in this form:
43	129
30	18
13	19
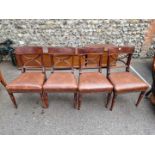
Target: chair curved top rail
124	55
30	55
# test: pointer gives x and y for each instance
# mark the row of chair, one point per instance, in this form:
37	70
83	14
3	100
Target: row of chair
88	81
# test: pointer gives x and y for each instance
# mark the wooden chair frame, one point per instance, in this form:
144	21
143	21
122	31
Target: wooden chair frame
62	55
31	54
84	53
2	80
126	52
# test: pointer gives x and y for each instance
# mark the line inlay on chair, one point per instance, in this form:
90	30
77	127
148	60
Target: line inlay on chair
63	82
29	81
124	81
92	82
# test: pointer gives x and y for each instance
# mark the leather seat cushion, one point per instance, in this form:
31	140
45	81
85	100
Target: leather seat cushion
127	81
29	81
94	82
61	82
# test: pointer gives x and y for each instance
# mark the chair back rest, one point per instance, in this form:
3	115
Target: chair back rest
90	57
62	58
30	57
123	59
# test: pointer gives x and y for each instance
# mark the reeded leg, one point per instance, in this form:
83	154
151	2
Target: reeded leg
108	99
140	98
113	101
13	99
75	100
79	101
44	97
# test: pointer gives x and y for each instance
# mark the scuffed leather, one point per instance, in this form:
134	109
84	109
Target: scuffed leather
61	82
29	81
94	82
127	81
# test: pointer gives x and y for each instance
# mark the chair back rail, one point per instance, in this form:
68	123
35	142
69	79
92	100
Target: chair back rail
124	56
62	58
90	57
29	55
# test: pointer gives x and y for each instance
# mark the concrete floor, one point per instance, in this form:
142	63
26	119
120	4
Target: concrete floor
62	118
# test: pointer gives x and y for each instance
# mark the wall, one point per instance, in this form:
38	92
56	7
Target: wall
75	32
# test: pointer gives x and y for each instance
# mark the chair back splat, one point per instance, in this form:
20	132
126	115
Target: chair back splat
90	58
122	56
30	57
61	57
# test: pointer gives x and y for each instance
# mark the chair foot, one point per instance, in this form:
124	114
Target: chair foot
108	99
148	93
79	101
140	98
13	100
75	100
44	97
113	101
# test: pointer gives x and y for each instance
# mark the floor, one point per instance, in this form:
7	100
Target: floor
61	118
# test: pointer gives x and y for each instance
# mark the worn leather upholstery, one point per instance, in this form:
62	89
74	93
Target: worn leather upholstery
61	82
28	81
94	82
127	81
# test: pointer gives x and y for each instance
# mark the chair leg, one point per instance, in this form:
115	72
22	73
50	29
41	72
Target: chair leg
140	98
79	100
108	99
3	83
75	100
113	101
13	99
44	97
148	93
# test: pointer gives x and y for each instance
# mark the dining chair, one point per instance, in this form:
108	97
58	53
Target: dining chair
2	80
92	81
59	81
30	80
124	81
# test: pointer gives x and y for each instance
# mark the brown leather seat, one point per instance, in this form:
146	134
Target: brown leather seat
94	82
127	81
28	81
61	82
